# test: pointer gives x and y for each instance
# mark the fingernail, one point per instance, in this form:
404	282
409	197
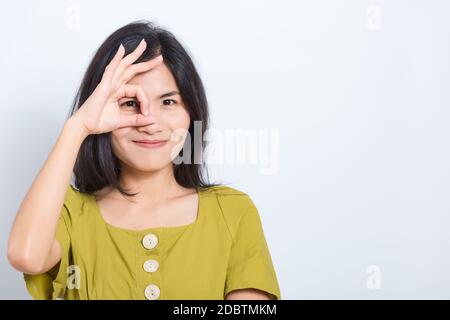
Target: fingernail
143	40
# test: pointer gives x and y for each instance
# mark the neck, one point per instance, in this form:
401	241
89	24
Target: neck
152	187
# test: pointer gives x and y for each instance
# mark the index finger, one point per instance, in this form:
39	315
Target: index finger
132	90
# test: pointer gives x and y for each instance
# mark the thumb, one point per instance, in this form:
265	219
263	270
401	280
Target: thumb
134	120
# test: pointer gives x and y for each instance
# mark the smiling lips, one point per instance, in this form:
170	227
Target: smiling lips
150	144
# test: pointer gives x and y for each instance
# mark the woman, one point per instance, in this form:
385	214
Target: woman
140	221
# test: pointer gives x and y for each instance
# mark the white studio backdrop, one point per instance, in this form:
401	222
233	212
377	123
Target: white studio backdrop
347	103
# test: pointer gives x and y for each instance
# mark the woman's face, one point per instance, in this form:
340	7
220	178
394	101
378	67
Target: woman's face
168	120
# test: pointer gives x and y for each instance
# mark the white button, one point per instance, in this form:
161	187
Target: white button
151	265
150	241
152	292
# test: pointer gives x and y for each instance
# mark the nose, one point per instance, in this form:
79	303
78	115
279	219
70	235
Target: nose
153	124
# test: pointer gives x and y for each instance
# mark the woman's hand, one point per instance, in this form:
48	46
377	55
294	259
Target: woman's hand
101	112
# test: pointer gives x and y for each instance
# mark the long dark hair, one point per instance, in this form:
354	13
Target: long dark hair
96	166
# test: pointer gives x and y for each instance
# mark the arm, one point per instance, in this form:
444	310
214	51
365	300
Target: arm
32	247
248	294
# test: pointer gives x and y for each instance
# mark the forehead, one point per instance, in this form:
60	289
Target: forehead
155	81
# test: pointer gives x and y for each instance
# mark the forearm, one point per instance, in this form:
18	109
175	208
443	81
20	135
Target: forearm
34	228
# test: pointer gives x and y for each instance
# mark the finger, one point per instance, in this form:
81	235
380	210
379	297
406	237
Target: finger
129	59
112	65
134	90
135	69
134	120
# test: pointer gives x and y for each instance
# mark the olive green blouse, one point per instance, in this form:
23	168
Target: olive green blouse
224	249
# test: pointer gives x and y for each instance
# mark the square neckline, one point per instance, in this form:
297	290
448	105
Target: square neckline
147	230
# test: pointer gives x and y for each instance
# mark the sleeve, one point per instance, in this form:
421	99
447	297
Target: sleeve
52	284
250	264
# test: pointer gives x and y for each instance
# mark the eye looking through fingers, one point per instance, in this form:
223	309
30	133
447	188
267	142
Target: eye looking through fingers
130	103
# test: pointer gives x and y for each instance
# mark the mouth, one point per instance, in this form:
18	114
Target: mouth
150	144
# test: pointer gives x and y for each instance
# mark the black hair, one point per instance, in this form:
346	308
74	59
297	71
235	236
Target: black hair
96	165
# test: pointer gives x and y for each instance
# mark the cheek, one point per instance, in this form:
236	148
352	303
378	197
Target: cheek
179	120
118	139
178	125
118	134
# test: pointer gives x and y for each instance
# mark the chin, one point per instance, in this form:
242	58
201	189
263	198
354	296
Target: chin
150	165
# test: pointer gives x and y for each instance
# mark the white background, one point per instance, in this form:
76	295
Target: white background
357	90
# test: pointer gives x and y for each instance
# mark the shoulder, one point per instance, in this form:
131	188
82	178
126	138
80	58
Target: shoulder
234	206
73	196
74	201
224	190
229	198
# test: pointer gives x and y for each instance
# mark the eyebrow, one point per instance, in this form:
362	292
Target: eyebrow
168	94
